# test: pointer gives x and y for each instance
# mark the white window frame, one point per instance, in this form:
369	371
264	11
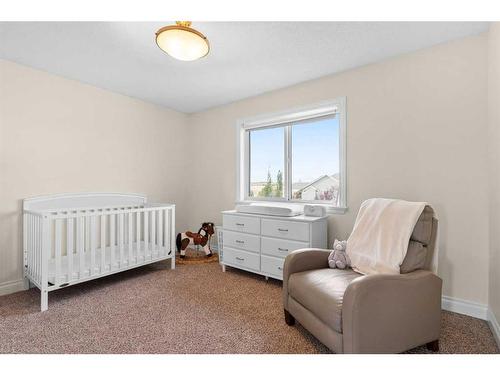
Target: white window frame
331	107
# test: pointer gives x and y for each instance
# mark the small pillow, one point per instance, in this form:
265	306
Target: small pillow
415	257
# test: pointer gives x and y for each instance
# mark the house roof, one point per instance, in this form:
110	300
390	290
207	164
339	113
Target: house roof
313	184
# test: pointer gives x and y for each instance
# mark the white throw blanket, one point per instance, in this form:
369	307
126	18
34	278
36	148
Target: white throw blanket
382	231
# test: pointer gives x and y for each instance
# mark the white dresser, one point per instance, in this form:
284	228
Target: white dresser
260	243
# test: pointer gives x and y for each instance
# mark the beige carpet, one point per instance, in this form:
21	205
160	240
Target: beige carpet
193	309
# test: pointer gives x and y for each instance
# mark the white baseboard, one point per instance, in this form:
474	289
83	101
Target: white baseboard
11	287
461	306
495	327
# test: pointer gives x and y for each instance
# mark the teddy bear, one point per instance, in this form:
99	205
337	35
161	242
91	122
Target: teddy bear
338	258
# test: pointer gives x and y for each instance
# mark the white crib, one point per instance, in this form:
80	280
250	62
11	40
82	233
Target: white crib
72	238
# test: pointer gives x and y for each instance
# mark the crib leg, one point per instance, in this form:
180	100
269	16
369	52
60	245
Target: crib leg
27	284
172	262
44	300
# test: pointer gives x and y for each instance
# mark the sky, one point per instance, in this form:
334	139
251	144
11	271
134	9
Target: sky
315	152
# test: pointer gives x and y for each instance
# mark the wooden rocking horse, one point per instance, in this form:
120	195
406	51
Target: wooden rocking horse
201	238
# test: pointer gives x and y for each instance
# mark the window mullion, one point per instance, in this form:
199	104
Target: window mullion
288	162
247	161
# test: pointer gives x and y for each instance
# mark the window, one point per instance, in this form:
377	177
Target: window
296	156
267	162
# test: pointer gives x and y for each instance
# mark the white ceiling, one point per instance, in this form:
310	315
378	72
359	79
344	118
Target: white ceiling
246	58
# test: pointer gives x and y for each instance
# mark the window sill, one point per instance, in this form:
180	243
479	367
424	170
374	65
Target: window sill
330	210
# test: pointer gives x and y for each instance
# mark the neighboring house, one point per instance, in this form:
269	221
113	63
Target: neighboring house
256	187
317	189
296	186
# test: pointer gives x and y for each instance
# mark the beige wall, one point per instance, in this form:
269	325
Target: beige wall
58	135
494	138
417	129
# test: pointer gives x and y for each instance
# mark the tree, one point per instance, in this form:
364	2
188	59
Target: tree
279	184
267	190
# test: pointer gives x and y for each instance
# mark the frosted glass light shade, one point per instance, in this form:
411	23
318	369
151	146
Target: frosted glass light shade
182	42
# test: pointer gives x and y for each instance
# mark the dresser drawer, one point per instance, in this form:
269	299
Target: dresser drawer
241	223
280	248
272	266
285	229
249	242
240	258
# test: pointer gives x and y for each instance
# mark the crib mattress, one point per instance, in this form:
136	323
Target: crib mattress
145	256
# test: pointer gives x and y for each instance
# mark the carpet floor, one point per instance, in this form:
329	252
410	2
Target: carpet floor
192	309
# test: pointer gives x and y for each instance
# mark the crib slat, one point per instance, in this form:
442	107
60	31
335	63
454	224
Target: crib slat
34	250
57	240
121	236
172	236
160	232
36	227
92	244
45	246
103	243
80	232
69	247
86	241
27	229
112	239
130	238
138	236
28	244
28	239
25	248
25	241
146	234
41	249
166	231
153	234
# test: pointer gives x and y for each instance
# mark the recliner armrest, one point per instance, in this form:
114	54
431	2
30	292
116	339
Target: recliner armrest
302	260
391	313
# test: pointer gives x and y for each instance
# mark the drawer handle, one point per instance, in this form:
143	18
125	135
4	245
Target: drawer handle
281	249
239	241
280	268
240	224
282	230
237	258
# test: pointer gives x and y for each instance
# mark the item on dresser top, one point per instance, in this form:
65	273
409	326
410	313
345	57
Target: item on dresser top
72	238
269	209
338	258
314	210
201	238
260	243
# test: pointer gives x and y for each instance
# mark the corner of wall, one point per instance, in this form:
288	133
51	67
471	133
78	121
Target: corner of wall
494	174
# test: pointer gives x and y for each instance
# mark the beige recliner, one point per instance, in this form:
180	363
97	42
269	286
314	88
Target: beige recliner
354	313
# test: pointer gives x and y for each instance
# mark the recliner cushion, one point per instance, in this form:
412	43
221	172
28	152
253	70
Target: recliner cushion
423	228
322	293
415	258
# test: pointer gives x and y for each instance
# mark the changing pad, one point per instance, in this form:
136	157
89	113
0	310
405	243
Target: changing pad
268	209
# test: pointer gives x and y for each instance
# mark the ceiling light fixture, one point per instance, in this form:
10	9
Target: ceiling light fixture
182	42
